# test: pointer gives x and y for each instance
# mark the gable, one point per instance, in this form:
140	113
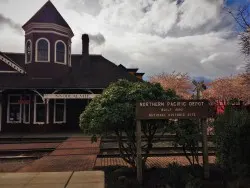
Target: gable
4	68
8	66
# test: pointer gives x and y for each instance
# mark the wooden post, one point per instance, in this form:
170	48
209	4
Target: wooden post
138	153
47	110
205	149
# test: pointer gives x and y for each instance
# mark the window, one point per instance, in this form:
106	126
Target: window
42	50
14	109
59	111
28	51
26	109
39	110
60	52
18	109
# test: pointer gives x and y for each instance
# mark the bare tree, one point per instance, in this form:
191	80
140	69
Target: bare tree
242	17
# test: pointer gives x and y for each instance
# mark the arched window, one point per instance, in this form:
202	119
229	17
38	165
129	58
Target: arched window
42	50
60	52
28	51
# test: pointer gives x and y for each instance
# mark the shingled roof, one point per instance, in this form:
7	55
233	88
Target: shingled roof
99	74
48	14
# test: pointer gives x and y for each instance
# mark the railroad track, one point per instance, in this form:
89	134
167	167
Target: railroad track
109	147
9	154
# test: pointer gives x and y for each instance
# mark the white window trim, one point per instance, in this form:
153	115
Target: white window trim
47	115
65	53
64	112
0	115
8	109
24	112
69	54
35	104
26	55
9	72
36	54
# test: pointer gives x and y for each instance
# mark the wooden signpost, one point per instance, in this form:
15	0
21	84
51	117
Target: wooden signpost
178	109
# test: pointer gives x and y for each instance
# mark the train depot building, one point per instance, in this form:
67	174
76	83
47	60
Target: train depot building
46	88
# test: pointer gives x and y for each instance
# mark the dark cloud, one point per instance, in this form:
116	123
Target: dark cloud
99	39
7	21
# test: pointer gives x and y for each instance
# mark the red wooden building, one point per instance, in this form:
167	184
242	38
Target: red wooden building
46	87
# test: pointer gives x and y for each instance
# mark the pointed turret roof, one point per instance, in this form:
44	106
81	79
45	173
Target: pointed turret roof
48	14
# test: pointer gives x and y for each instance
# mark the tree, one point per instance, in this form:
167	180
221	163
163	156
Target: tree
242	18
179	82
223	90
114	111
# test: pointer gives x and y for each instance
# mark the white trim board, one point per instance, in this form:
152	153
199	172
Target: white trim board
53	32
9	72
70	96
0	116
33	26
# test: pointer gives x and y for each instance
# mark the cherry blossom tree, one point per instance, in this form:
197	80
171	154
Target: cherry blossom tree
223	90
179	82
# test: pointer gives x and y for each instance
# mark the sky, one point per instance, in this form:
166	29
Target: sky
197	37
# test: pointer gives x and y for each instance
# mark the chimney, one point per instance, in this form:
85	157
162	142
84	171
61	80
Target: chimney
85	60
85	45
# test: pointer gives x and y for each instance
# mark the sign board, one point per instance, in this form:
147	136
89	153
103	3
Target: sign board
69	96
174	109
177	109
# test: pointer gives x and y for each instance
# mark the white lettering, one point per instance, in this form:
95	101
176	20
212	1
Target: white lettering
196	103
70	96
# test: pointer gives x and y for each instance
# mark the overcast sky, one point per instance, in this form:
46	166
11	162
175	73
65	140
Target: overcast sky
191	36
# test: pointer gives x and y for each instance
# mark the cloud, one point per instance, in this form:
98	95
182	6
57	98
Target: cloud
97	43
193	36
91	7
7	21
97	38
4	1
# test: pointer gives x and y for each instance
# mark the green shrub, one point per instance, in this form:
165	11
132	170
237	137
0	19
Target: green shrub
187	135
114	111
232	130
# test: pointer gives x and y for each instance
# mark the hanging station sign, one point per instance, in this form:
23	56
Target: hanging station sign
178	109
70	96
